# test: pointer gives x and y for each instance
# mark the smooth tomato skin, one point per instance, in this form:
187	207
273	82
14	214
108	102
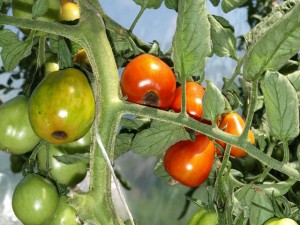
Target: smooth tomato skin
279	221
64	215
204	217
190	162
66	174
69	11
82	145
194	95
149	81
62	107
34	200
234	124
16	133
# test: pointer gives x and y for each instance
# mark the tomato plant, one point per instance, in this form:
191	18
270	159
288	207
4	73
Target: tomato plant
234	124
190	162
204	217
194	95
67	174
16	134
34	200
64	214
55	104
148	80
82	145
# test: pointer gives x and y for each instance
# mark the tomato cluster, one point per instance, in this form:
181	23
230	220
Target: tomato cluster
36	201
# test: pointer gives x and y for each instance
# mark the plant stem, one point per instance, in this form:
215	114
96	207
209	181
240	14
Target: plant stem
137	18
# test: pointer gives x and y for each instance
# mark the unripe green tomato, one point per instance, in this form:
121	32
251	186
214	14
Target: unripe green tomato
34	200
67	174
62	107
23	9
16	133
197	216
204	217
64	215
80	146
278	221
51	67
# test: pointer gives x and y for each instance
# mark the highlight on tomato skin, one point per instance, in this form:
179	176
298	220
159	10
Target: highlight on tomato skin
234	124
190	162
69	11
194	95
147	80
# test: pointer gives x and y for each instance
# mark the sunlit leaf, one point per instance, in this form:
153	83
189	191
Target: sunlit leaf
7	37
228	5
172	4
213	102
277	189
191	41
275	47
281	104
155	4
39	8
224	41
158	138
294	78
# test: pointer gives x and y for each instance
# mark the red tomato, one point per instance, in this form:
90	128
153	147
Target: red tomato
190	162
149	81
194	94
234	124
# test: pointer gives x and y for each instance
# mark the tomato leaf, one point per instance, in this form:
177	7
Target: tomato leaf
294	78
13	53
64	54
123	143
213	102
228	5
224	41
191	41
7	37
275	46
155	4
277	189
158	138
215	2
172	4
254	202
73	158
160	171
281	104
39	8
135	124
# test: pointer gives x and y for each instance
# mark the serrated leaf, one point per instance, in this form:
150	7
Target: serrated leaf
123	143
7	37
228	5
281	103
64	54
158	138
255	33
134	124
277	189
294	78
275	47
213	102
224	41
191	41
73	158
172	4
155	4
15	52
39	8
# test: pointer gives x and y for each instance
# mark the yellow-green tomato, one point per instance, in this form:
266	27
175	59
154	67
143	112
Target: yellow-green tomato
16	133
67	174
204	217
62	107
64	215
279	221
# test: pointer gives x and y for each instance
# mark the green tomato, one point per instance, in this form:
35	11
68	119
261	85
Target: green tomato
64	215
204	217
16	133
80	146
34	200
23	9
67	174
62	107
278	221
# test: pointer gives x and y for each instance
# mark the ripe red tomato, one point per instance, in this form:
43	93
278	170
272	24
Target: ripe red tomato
234	124
190	162
194	94
149	81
